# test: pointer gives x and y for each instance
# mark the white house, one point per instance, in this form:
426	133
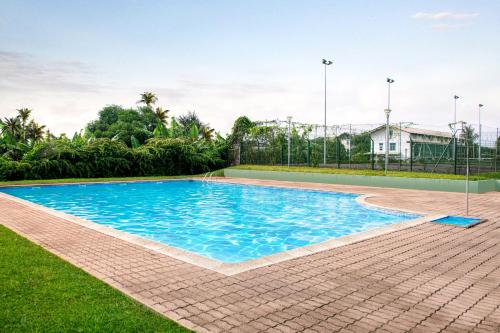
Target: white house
399	141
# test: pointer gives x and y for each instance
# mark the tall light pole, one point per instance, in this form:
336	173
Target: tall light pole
455	112
479	151
326	63
387	113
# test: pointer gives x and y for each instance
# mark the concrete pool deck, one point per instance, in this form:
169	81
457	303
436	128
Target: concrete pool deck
427	277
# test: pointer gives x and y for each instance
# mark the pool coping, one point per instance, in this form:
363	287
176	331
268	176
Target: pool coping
230	269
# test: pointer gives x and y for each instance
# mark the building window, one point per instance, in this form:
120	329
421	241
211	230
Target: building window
381	146
392	146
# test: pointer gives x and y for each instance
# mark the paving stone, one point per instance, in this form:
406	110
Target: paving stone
426	278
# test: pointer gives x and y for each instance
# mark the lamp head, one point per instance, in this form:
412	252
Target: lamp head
327	62
456	97
481	105
387	112
389	80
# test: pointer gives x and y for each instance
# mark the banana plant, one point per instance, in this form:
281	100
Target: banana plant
194	132
160	131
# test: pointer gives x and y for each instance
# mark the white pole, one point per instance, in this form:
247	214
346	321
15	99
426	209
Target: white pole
387	113
455	114
326	63
387	141
324	137
479	152
400	142
467	178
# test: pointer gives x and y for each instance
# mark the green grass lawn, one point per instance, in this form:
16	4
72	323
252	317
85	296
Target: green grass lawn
365	172
40	292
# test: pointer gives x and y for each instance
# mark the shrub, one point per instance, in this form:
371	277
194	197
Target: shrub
112	158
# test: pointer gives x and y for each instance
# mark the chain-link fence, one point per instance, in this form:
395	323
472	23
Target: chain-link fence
412	147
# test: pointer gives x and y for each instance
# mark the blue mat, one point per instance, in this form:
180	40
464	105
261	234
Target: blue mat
459	221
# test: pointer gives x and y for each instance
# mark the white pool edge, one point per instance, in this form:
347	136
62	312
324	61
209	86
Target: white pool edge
230	269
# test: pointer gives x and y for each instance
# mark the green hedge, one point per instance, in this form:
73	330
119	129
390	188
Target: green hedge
108	158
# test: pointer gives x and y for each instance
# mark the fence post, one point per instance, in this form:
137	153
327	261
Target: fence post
411	155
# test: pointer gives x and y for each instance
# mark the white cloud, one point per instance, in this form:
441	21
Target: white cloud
445	16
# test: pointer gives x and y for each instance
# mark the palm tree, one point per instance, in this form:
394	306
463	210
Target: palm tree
207	133
470	134
12	126
49	136
161	114
24	115
148	98
35	131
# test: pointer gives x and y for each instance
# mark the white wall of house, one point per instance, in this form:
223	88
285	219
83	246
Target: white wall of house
378	138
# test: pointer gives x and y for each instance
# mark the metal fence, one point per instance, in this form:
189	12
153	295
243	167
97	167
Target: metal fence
413	147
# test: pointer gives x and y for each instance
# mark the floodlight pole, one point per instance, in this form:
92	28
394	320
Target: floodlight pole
467	177
387	113
326	63
455	113
479	152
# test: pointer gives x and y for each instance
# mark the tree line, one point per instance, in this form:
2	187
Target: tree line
136	141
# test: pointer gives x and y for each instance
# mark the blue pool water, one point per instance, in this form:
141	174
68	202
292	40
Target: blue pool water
458	221
227	222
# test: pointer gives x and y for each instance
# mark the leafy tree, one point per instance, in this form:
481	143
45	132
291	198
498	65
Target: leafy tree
241	127
188	120
361	147
120	123
470	134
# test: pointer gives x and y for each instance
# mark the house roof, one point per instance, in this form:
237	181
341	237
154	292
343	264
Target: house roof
418	131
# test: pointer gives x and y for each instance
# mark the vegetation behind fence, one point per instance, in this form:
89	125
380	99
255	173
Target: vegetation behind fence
356	146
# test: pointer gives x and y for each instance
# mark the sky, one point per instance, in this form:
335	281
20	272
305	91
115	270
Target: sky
223	59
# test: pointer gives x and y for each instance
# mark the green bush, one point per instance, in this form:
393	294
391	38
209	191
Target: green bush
100	158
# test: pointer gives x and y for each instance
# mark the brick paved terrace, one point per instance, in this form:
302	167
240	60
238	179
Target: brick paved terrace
426	278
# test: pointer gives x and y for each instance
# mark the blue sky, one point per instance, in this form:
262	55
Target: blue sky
67	59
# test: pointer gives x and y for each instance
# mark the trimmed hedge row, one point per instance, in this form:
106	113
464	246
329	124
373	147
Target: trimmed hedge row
108	158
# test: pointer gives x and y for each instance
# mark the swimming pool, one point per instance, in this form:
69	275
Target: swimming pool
231	223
